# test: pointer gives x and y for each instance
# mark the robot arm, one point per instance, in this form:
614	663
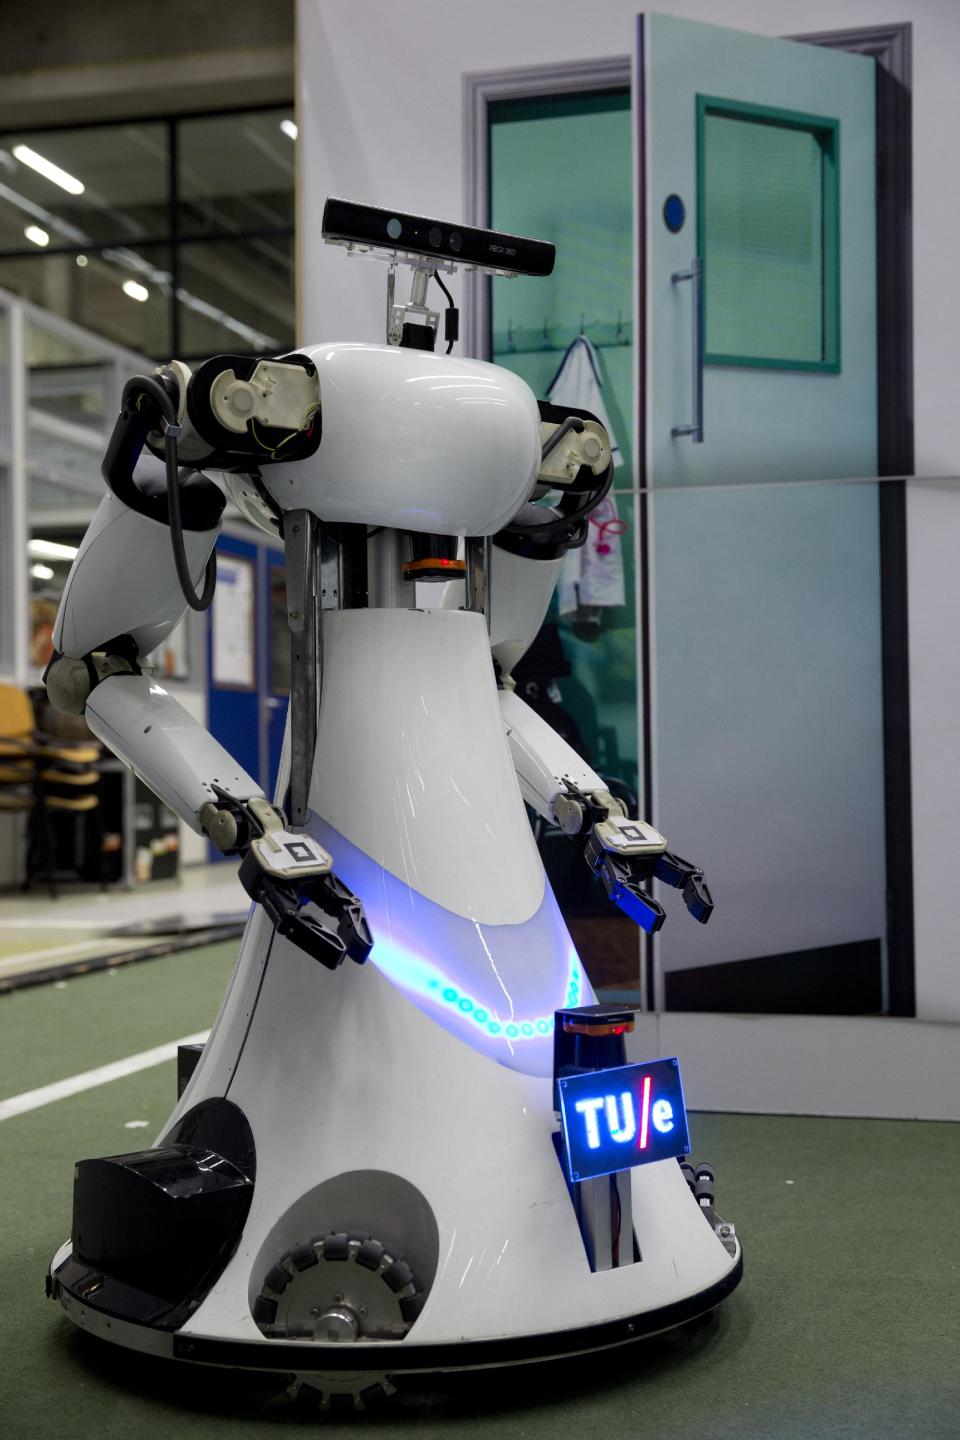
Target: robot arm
554	780
126	591
625	853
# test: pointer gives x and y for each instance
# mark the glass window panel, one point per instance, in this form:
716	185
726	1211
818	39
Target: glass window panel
67	389
766	247
235	173
580	674
92	293
123	170
48	575
236	296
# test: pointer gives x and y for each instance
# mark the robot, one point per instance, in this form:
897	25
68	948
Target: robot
412	1142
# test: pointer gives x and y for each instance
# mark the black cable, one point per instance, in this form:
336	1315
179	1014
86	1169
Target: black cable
147	385
450	303
556	526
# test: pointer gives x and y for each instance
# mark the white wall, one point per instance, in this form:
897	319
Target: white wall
934	569
381	102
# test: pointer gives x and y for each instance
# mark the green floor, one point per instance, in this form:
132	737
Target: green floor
847	1323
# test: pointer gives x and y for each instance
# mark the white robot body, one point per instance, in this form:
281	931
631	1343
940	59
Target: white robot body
415	441
404	1109
379	1098
123	577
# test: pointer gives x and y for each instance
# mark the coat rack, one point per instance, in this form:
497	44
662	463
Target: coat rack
552	338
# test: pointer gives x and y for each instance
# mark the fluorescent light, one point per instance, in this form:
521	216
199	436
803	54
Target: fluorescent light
135	290
41	572
289	128
48	170
50	550
38	236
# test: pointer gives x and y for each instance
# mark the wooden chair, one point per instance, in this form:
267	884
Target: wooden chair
18	775
49	772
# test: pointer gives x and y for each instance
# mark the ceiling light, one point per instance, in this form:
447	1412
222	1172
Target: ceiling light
81	260
289	128
48	170
38	236
135	290
50	550
41	572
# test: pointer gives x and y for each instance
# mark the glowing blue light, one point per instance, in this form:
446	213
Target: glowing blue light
623	1125
662	1114
588	1109
415	973
621	1133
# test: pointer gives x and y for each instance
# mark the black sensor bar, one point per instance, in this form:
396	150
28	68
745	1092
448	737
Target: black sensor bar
346	223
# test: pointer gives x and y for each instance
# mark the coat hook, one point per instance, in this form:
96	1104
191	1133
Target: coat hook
545	338
582	326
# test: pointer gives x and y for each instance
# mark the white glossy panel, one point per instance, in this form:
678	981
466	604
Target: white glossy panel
415	441
365	1080
124	582
520	592
413	765
494	986
542	758
142	723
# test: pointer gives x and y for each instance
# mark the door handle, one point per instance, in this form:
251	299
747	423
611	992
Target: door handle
694	274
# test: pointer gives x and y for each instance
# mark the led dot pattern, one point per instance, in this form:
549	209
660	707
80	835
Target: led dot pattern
524	1029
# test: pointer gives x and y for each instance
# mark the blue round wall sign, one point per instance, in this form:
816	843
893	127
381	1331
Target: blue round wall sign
674	213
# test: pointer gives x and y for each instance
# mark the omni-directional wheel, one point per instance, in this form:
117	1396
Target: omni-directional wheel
337	1288
341	1392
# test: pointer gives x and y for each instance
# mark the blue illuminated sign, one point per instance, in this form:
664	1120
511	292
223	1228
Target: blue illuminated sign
615	1119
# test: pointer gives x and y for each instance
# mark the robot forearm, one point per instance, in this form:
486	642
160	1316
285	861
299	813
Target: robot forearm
546	765
624	853
289	875
141	722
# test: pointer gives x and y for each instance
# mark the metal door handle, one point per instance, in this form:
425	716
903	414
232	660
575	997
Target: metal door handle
695	273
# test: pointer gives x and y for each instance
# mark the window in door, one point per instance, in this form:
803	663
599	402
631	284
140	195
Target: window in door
768	216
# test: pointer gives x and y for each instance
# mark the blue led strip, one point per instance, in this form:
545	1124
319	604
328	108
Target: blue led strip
415	973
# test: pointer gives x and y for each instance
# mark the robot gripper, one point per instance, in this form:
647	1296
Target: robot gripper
291	876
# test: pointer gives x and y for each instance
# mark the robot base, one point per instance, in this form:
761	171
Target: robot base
408	1099
342	1369
477	1315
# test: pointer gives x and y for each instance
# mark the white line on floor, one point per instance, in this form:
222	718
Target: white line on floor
90	1079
